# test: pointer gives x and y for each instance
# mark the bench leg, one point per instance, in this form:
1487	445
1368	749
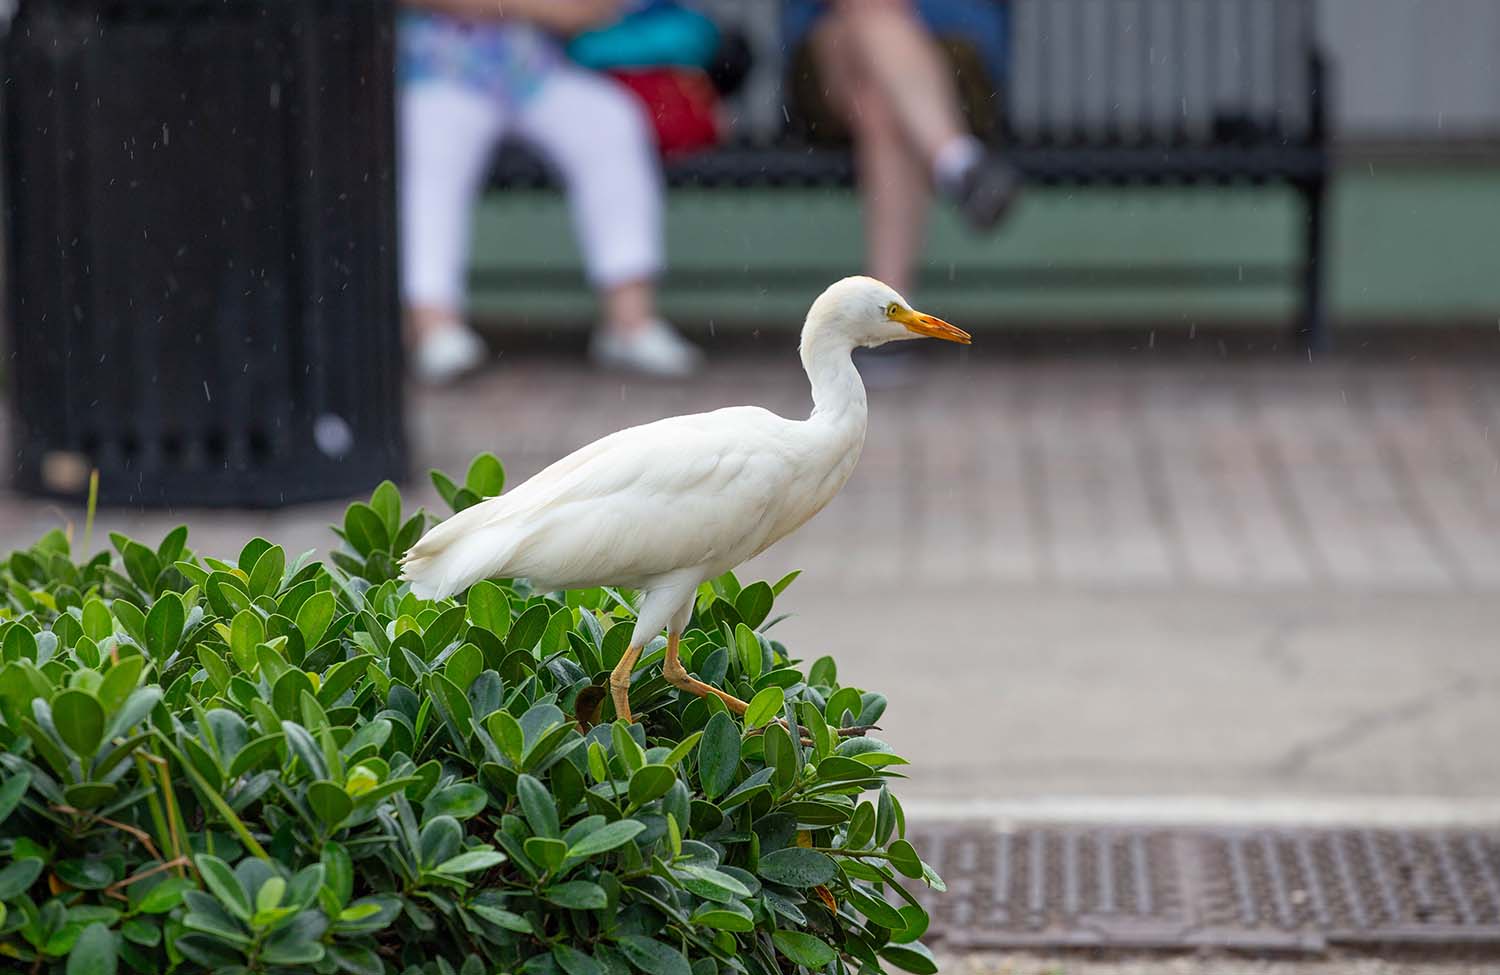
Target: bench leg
1312	331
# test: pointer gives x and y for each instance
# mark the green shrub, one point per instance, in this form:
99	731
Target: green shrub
274	764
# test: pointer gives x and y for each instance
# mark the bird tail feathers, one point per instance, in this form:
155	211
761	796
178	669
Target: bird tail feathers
457	554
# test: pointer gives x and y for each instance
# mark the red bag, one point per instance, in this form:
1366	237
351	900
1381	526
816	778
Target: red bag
681	103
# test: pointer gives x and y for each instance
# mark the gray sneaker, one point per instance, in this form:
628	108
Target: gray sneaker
985	193
654	350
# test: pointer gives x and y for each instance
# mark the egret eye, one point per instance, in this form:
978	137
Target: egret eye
892	309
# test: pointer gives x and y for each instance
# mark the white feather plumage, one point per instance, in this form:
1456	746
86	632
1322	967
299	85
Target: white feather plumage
664	506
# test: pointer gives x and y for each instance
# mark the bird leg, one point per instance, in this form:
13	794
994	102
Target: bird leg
678	677
619	682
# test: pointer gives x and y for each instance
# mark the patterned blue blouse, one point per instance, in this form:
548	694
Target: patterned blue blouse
506	60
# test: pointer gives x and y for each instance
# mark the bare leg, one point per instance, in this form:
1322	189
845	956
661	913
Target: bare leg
619	681
893	178
893	84
678	677
629	306
425	320
898	58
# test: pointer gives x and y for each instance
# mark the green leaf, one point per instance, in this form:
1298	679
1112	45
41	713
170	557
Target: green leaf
764	706
338	872
503	918
754	603
803	949
627	749
861	826
471	861
914	957
652	956
89	795
314	616
718	755
97	623
839	767
172	545
682	749
94	952
464	800
11	791
80	722
823	673
446	489
538	807
18	877
650	782
903	857
386	502
710	884
164	625
465	498
578	895
141	564
784	581
489	608
224	885
365	530
548	853
748	649
574	962
877	909
486	476
85	874
244	634
506	731
251	553
606	838
797	867
164	896
725	917
269	896
265	578
330	802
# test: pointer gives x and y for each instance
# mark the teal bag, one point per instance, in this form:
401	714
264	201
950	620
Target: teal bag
661	35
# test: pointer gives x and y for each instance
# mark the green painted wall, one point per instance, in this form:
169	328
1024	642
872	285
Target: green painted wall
1410	244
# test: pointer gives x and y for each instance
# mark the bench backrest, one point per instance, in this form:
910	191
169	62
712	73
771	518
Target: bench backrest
1163	72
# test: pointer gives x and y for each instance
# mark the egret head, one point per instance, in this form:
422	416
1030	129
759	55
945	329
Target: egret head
868	312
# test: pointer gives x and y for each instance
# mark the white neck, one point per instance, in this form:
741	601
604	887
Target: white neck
838	394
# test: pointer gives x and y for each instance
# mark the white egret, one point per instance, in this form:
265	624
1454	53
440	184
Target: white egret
665	506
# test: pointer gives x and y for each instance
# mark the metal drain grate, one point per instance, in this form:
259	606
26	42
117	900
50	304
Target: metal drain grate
1303	890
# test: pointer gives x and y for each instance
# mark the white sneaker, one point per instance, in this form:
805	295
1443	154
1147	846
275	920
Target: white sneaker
654	350
447	354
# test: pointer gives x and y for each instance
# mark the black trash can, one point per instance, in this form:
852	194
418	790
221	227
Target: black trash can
201	234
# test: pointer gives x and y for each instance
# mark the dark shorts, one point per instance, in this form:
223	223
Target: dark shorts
983	23
974	35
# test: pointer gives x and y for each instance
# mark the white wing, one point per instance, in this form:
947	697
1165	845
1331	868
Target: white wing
688	491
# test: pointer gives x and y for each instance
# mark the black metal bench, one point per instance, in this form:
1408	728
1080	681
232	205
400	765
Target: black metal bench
1127	92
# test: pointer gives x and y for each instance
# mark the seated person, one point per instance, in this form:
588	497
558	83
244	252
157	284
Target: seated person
877	66
475	71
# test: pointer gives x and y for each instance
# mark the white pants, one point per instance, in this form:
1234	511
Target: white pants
592	131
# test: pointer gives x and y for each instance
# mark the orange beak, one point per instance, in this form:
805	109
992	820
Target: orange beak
933	328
